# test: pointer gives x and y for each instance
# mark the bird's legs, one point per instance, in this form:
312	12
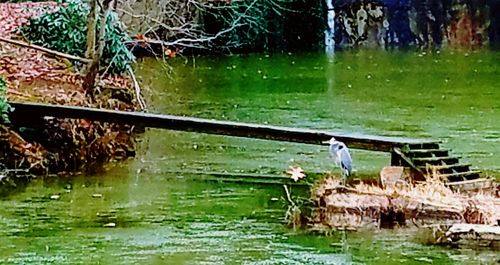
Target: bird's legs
344	180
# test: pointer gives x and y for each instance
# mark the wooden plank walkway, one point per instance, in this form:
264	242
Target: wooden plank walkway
420	155
239	129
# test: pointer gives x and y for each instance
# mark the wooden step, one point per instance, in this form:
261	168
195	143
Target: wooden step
427	152
447	169
453	166
468	175
434	145
485	185
436	160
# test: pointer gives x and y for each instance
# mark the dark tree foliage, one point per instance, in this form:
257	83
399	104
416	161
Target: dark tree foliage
269	25
304	25
4	106
494	29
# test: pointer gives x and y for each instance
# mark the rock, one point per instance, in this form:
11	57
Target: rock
392	176
462	234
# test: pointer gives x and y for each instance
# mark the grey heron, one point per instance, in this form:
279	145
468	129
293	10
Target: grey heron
340	153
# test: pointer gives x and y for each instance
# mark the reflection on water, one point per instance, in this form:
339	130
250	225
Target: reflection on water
450	96
161	219
158	218
162	215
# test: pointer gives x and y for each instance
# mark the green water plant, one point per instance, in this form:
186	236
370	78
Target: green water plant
4	106
65	31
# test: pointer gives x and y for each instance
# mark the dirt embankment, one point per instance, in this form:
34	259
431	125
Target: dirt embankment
57	145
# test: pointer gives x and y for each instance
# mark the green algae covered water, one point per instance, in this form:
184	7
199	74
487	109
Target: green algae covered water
156	209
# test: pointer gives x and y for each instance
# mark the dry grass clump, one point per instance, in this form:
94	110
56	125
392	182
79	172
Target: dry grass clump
429	201
20	154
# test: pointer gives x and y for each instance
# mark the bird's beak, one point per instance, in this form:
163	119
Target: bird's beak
325	142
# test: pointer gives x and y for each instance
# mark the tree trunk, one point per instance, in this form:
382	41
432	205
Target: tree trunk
93	68
91	30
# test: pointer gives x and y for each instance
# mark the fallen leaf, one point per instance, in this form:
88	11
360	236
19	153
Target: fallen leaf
296	173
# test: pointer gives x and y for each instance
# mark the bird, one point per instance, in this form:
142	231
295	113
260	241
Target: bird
340	153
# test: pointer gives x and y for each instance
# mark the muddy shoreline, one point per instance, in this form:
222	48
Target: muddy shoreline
50	145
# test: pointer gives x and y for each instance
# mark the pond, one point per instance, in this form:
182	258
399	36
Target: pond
155	209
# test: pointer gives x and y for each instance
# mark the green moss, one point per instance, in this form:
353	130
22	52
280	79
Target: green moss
4	106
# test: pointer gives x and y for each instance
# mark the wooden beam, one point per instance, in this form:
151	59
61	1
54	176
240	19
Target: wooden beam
408	160
43	49
179	123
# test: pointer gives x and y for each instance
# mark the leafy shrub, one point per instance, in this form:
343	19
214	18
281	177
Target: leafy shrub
66	31
4	106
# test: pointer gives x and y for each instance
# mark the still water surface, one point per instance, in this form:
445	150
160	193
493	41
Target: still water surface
164	216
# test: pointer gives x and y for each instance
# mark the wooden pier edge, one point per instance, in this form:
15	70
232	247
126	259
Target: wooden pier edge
191	124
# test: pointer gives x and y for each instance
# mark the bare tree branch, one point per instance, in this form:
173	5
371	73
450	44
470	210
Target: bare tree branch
43	49
180	23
